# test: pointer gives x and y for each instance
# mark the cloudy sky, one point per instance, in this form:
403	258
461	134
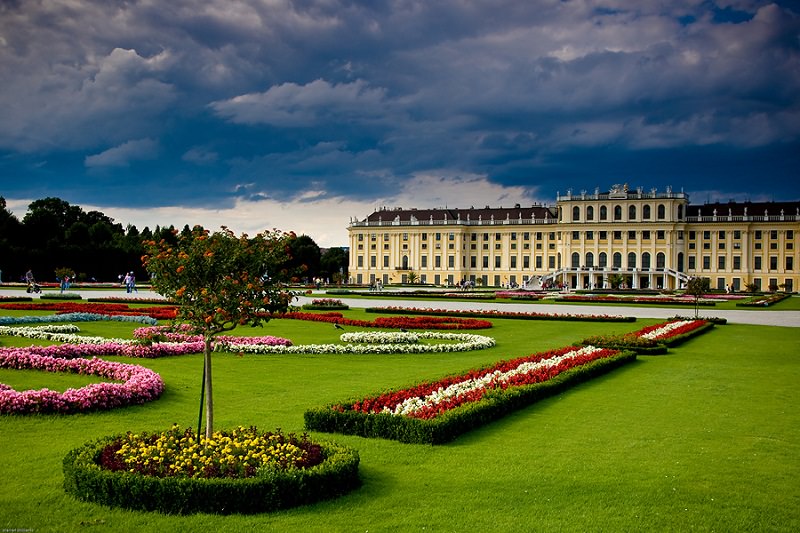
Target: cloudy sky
302	114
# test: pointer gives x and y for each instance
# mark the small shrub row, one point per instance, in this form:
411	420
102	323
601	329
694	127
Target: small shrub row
459	420
764	300
60	296
275	489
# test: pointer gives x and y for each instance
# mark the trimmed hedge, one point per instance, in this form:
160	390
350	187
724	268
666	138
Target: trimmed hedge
85	480
312	307
446	427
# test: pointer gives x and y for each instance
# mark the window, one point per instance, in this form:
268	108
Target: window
526	262
474	237
706	262
602	260
617	212
424	236
632	212
386	246
789	234
757	234
437	261
589	259
631	235
451	236
603	235
405	236
721	246
617	235
692	262
789	262
485	261
631	260
424	261
737	234
473	261
373	261
526	236
661	212
757	263
646	212
360	261
385	261
438	236
646	235
513	261
451	261
590	213
513	235
551	262
603	212
497	261
773	234
538	262
646	260
576	213
576	260
576	236
773	262
737	262
661	260
385	236
660	235
589	235
497	236
617	260
721	262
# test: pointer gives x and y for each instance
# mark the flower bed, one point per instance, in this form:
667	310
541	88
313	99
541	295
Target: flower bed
139	385
763	300
393	322
439	411
60	296
653	340
500	314
75	317
160	312
659	300
518	295
326	304
243	471
221	342
388	343
470	295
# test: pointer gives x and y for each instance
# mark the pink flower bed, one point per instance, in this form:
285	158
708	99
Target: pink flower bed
154	332
139	385
428	400
151	351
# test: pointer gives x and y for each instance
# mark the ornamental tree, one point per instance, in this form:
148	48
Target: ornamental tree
220	281
697	287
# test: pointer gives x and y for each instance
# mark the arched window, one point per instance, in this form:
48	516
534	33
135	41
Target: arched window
603	260
661	213
576	213
617	212
680	211
661	260
405	262
590	213
617	260
558	260
576	259
589	259
646	212
680	262
646	260
632	212
631	260
603	212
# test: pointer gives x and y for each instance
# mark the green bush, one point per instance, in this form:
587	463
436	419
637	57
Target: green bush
446	427
61	296
278	489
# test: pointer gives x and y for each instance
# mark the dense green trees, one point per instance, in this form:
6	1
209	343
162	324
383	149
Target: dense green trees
54	234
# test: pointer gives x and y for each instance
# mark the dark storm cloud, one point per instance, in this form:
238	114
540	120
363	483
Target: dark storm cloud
210	102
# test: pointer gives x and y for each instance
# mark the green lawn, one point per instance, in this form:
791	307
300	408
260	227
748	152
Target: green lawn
706	438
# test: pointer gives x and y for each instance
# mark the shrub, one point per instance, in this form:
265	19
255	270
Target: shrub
61	296
273	489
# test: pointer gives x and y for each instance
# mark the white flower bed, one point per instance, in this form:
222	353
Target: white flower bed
380	337
64	333
666	330
466	342
417	403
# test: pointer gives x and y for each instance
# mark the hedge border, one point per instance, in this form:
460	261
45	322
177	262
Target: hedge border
446	427
86	480
312	307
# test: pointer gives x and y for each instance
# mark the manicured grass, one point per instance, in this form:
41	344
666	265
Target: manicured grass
705	438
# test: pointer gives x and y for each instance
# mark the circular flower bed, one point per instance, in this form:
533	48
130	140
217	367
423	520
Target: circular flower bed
241	471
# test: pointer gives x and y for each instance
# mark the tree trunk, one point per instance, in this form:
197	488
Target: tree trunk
209	397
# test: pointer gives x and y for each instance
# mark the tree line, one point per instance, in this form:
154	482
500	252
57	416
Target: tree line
55	236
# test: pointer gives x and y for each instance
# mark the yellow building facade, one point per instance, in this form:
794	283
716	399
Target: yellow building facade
647	240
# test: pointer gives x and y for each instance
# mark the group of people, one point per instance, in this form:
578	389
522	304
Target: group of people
129	281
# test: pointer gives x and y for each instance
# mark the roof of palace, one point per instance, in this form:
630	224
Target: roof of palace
737	209
487	213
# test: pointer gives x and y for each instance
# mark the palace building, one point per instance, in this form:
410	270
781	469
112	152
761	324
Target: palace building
652	239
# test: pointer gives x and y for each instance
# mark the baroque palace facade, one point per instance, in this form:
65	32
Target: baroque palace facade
653	239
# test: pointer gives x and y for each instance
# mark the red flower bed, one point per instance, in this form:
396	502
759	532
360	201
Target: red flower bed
398	322
157	312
